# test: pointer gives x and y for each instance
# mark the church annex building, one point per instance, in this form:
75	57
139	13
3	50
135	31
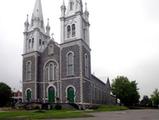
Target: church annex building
62	72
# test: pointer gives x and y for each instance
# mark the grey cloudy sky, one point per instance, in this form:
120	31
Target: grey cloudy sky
124	38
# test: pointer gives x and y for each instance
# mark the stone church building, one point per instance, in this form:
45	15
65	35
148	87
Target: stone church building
61	72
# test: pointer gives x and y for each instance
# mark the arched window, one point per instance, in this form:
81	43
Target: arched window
50	71
86	65
28	71
68	31
73	30
70	63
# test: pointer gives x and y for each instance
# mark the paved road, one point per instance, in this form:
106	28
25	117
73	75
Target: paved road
124	115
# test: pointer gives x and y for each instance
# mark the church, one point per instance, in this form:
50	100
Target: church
54	72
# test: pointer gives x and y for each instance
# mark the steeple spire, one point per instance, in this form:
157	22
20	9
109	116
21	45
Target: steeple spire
37	16
63	2
38	10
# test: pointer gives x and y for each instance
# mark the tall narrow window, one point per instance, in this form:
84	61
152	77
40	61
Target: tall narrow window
40	42
73	30
70	63
86	64
28	71
43	43
51	71
68	31
29	44
32	42
46	73
71	5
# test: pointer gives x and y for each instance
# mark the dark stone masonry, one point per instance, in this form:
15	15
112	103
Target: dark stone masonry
55	72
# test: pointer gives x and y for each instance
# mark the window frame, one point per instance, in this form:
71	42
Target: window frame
70	63
86	64
68	31
28	71
73	30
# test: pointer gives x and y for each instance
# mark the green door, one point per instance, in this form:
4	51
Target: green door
29	94
70	95
51	95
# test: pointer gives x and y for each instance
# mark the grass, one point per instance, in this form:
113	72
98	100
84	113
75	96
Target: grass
107	108
34	115
54	114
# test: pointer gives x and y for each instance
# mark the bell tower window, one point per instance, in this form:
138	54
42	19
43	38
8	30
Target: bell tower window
71	5
29	44
32	42
40	42
73	30
68	31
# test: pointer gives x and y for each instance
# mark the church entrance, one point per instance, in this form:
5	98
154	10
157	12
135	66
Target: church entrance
29	94
51	95
71	95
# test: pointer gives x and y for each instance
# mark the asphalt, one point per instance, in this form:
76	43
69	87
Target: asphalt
147	114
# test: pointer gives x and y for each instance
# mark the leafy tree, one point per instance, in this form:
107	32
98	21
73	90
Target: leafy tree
146	101
125	90
5	94
155	97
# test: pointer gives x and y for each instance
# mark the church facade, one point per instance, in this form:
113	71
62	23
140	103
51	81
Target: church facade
55	72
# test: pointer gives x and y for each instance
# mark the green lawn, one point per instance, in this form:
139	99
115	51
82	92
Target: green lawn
52	114
107	108
32	115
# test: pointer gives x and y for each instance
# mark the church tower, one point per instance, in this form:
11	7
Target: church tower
74	22
35	41
75	50
55	72
35	37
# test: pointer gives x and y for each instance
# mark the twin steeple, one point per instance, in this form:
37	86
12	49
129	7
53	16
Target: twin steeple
37	20
74	22
37	13
71	29
37	16
36	36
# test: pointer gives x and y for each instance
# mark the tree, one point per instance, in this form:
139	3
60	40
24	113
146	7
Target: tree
155	97
5	94
146	101
125	90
